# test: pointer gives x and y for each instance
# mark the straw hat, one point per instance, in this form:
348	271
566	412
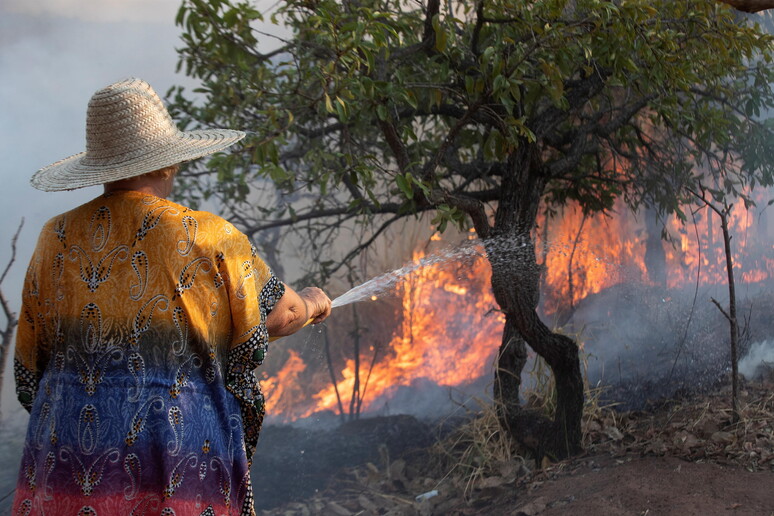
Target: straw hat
128	133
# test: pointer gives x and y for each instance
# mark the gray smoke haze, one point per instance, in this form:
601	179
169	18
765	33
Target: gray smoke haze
758	360
53	55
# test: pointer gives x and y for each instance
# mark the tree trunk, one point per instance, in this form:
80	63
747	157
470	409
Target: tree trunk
733	322
655	256
511	360
515	282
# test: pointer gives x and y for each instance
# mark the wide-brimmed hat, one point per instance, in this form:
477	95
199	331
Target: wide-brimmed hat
129	132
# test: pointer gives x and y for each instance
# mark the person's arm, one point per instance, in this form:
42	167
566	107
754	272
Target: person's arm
294	309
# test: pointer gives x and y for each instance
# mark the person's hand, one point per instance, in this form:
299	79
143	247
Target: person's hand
317	302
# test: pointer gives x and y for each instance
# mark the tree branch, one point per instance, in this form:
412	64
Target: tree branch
750	6
364	245
477	28
13	251
431	165
725	314
320	214
10	316
396	145
474	209
428	35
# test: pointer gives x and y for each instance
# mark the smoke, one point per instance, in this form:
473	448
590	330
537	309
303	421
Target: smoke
97	10
52	60
759	359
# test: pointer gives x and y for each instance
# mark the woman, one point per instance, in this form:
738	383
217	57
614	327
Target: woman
142	322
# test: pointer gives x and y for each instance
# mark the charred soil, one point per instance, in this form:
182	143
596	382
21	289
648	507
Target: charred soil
681	457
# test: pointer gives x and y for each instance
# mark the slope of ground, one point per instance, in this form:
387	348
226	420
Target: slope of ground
681	458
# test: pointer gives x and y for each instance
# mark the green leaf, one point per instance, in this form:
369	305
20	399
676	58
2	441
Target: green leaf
381	112
404	184
440	34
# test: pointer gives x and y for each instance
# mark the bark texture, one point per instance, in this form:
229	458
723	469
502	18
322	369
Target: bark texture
516	282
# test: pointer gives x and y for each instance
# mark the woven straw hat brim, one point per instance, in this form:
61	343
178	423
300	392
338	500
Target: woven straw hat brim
76	172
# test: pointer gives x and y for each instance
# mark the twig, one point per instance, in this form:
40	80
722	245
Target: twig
693	304
725	314
330	369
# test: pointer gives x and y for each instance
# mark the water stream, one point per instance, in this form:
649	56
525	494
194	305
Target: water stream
387	282
502	253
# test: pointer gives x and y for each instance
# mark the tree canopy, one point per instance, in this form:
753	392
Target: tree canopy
369	111
388	108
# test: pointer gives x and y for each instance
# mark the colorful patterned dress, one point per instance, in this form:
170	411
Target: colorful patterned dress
141	324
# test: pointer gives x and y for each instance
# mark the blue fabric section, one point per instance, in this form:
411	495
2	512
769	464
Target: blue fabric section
136	427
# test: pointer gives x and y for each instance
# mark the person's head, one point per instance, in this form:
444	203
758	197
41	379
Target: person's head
130	134
158	182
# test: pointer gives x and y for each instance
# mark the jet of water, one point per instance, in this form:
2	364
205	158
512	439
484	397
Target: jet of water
502	252
387	282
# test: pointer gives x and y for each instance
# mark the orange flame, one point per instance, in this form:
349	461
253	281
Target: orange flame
281	389
449	334
448	339
584	255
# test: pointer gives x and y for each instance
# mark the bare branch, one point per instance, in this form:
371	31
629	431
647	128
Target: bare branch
13	251
725	314
9	314
321	214
364	245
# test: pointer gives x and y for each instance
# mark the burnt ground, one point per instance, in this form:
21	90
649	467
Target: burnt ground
680	458
294	463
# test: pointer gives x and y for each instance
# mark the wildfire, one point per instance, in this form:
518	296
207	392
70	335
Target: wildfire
282	389
584	255
447	332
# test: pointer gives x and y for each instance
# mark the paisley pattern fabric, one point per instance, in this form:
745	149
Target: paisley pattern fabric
142	322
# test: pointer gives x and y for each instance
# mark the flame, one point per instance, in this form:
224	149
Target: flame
281	389
447	330
449	340
448	334
584	255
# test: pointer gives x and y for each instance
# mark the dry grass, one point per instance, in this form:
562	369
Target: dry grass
480	453
541	394
699	429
